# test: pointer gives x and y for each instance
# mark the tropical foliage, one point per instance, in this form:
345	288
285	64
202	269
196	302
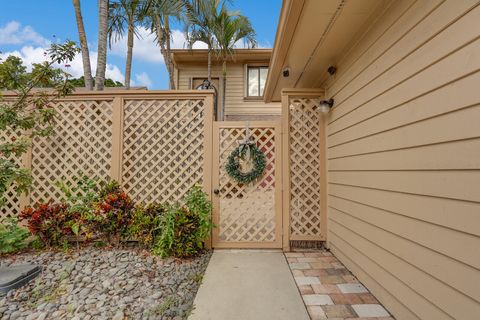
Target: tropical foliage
157	19
12	237
184	228
114	211
211	22
80	82
29	113
207	21
87	69
199	26
145	226
89	212
125	15
103	9
102	44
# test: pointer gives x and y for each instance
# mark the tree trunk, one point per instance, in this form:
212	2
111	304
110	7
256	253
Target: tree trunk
128	65
209	68
221	114
102	44
164	43
169	57
87	69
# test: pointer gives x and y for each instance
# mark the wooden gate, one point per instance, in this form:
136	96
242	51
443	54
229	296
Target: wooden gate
247	216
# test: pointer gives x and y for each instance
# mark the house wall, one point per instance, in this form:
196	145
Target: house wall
404	156
236	107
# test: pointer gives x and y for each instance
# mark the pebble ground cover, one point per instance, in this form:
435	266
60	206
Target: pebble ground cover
105	283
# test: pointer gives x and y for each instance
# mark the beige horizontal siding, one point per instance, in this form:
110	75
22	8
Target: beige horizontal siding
235	104
403	155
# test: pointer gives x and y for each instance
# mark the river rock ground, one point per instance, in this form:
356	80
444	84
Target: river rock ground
101	283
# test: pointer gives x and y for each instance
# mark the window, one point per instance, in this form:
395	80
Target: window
256	77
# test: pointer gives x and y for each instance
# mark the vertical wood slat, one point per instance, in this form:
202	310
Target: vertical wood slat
279	183
286	171
117	139
215	181
24	199
208	152
323	177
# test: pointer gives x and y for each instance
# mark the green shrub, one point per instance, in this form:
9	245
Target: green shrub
85	212
109	188
185	228
197	202
114	212
50	222
145	226
12	237
80	196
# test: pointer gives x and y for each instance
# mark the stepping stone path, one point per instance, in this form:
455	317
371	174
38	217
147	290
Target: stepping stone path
330	291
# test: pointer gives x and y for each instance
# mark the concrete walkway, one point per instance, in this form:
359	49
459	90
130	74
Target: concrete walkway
248	285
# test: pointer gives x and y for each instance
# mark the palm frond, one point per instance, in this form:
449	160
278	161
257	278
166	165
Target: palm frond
120	14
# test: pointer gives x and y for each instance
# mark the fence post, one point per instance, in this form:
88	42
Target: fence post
286	171
24	199
208	151
117	139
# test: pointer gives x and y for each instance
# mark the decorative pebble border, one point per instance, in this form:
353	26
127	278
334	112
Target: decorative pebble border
99	283
330	291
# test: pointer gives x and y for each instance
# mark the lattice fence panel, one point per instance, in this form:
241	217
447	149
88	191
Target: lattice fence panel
247	212
304	167
81	143
11	208
163	148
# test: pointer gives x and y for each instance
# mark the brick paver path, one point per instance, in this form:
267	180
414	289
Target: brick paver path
330	291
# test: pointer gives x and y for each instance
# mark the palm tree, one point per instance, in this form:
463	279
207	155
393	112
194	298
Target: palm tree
199	26
125	14
102	44
210	21
87	69
158	13
229	28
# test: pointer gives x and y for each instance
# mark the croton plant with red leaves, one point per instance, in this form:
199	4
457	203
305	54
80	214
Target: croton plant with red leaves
115	210
49	221
56	223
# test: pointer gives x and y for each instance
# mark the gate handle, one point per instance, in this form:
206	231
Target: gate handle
216	191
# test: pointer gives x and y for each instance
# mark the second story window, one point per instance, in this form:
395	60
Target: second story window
256	77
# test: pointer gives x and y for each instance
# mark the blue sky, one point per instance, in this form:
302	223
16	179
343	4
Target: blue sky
27	27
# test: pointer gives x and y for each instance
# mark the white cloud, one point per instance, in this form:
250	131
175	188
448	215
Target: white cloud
145	47
31	55
113	72
28	54
265	45
13	33
142	79
180	42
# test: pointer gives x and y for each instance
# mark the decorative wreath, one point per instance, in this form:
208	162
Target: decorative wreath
248	152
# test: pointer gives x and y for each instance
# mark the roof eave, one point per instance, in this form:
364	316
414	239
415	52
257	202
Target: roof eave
289	17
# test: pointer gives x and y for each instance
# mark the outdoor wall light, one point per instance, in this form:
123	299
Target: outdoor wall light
325	105
332	70
286	72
